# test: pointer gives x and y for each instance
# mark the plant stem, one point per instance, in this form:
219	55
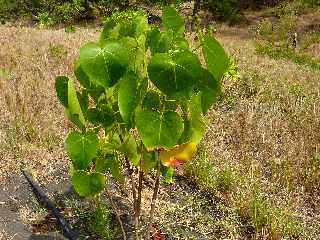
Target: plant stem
154	196
138	206
134	194
117	214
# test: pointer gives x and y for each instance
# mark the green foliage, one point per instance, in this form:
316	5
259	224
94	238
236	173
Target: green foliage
44	20
81	148
149	109
287	53
88	184
101	223
57	51
207	176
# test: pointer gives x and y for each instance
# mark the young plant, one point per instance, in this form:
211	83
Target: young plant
141	103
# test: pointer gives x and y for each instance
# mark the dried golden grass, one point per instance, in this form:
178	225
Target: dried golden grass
265	129
32	123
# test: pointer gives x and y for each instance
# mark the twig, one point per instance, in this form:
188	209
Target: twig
133	185
155	194
138	207
117	214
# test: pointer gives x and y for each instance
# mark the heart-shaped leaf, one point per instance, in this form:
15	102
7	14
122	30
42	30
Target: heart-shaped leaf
159	130
88	184
216	58
81	148
175	75
104	66
128	96
210	90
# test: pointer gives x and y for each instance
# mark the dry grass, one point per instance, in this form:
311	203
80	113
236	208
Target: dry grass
32	123
266	131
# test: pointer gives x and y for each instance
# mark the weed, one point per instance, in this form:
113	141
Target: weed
265	29
57	51
95	219
70	29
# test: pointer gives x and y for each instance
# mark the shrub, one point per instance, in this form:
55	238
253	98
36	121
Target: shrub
148	110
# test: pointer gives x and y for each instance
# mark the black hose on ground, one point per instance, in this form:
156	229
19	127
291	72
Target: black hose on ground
67	230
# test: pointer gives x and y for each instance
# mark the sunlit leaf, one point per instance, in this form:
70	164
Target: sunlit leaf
74	108
175	75
81	148
216	59
128	96
88	184
159	130
104	66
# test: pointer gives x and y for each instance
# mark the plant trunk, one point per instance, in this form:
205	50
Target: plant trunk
134	195
154	196
196	7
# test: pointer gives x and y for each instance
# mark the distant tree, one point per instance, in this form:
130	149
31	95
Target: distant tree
196	7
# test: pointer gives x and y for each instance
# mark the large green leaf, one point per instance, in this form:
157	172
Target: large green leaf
74	108
172	20
128	96
104	66
88	184
129	149
197	121
216	58
61	86
175	75
210	90
81	148
159	130
82	76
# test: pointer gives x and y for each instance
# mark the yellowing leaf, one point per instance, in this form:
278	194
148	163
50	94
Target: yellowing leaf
178	155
